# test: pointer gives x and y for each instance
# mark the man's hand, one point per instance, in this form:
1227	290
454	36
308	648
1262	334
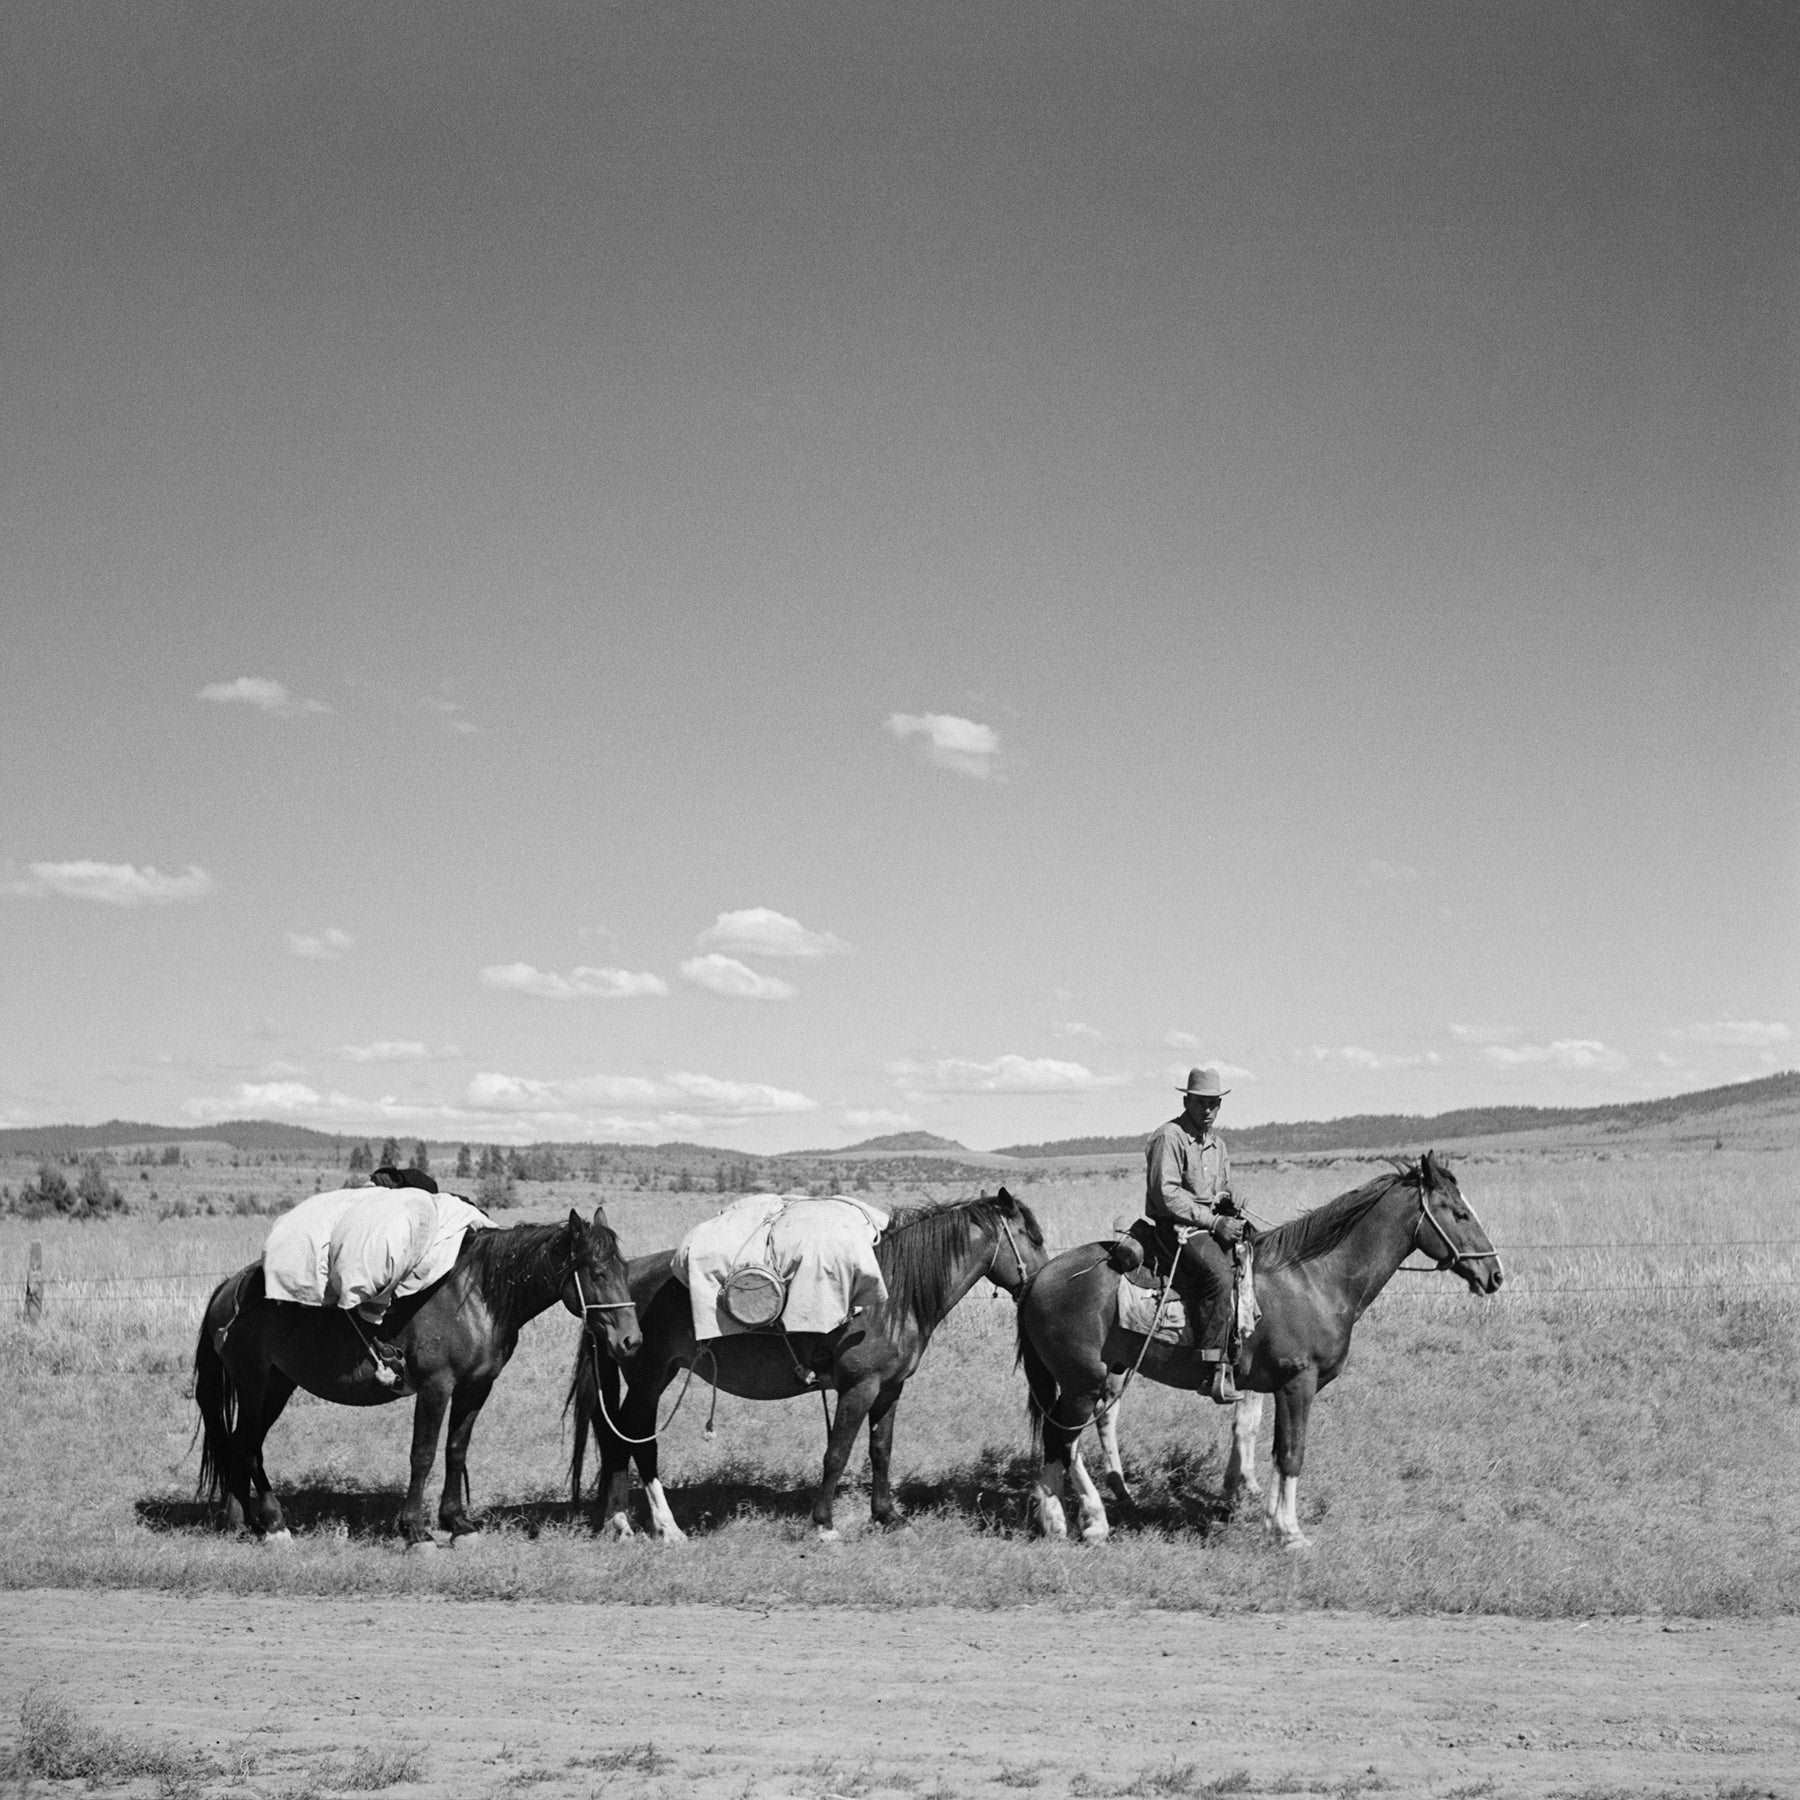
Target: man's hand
1227	1229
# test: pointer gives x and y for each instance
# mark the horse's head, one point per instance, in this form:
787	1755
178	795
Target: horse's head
598	1290
1448	1231
1018	1243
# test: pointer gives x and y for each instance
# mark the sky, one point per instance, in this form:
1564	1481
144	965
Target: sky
772	575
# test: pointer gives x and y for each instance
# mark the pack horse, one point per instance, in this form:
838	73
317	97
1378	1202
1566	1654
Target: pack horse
930	1257
445	1344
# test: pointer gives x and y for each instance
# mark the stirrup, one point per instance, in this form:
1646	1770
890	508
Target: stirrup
1221	1389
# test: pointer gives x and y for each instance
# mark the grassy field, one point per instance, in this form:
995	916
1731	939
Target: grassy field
1617	1433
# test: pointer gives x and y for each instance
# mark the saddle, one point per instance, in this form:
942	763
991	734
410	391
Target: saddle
1143	1256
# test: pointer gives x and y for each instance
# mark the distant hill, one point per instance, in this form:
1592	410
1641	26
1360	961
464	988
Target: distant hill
1381	1131
116	1134
899	1143
924	1156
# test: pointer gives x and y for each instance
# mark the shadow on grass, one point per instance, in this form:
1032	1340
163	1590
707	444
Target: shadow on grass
1176	1495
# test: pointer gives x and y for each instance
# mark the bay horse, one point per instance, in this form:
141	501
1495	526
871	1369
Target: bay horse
454	1337
930	1257
1315	1276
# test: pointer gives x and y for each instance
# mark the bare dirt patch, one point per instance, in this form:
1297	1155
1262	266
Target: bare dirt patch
745	1705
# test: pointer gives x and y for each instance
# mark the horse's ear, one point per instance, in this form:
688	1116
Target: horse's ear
576	1228
1005	1198
1429	1170
600	1223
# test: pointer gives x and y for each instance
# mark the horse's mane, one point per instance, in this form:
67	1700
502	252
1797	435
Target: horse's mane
1326	1225
925	1248
516	1261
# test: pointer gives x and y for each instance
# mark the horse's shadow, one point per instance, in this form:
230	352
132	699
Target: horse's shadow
991	1495
366	1514
1179	1496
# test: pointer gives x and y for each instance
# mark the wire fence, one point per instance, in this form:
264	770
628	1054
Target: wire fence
1656	1288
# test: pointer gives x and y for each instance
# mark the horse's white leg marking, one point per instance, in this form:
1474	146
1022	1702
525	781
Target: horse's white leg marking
1092	1509
1046	1502
1282	1513
617	1526
662	1520
468	1540
278	1540
1240	1467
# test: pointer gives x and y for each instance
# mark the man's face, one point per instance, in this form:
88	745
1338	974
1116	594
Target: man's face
1202	1109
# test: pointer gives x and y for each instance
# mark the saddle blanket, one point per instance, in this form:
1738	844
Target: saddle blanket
1137	1307
366	1247
823	1249
1137	1312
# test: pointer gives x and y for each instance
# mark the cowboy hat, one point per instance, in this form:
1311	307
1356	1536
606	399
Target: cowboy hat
1204	1084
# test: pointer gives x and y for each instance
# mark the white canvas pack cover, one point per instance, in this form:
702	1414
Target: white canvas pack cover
366	1247
823	1249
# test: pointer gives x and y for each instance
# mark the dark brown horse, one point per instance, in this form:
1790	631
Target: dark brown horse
930	1257
1315	1276
454	1336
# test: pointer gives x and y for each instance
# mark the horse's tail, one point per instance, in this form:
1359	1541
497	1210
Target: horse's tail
1040	1382
584	1392
215	1393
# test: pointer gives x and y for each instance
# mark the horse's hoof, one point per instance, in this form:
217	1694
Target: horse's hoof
277	1540
617	1529
825	1534
1300	1545
421	1546
468	1540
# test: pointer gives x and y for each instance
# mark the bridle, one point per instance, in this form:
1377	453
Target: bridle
1452	1258
589	1307
1012	1244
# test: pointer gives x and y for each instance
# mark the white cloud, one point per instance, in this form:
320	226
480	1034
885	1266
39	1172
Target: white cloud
631	1106
1074	1029
952	743
491	1092
1354	1056
760	931
582	983
1737	1034
450	711
726	975
1483	1034
1378	872
115	884
262	693
259	1099
877	1121
1004	1075
320	946
1565	1053
1181	1040
387	1050
1232	1074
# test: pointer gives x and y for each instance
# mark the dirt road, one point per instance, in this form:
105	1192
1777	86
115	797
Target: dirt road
277	1695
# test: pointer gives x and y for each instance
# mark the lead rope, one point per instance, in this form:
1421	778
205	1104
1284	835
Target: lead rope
600	1405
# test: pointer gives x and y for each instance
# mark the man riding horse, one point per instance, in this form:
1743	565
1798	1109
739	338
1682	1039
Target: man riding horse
1187	1194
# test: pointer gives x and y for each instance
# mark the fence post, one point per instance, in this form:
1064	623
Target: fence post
34	1284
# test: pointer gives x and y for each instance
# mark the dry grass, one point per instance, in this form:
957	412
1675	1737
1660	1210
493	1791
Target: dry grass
1616	1433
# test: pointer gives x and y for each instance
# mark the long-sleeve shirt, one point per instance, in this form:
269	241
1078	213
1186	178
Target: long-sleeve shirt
1184	1175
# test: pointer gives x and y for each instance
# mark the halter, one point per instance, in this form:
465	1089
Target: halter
593	1306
